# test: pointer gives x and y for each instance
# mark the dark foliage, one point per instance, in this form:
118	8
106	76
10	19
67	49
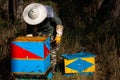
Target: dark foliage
93	24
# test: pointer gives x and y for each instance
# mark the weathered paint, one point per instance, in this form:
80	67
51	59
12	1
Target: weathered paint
30	66
30	55
31	49
83	63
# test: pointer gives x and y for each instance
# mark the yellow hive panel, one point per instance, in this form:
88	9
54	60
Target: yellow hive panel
69	70
90	69
67	62
89	59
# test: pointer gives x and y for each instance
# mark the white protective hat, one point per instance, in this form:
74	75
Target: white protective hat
34	13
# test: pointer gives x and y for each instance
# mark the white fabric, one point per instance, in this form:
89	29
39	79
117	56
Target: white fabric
59	30
29	35
50	12
34	13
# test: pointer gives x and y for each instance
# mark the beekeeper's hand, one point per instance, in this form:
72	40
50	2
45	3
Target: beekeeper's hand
59	31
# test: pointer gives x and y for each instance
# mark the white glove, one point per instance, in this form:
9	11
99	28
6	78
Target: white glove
59	31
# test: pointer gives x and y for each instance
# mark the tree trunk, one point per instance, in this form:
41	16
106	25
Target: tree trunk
19	9
15	10
11	12
116	10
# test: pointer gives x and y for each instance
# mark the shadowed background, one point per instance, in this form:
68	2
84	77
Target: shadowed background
92	24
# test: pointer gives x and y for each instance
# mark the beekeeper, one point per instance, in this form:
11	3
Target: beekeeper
43	21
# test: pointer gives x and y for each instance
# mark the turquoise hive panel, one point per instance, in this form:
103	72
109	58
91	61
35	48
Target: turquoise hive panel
30	66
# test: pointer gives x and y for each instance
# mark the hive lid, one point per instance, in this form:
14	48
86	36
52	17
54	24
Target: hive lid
35	38
78	55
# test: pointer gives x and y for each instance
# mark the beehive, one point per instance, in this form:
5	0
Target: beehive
83	63
30	55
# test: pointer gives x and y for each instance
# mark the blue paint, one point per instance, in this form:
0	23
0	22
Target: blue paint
87	73
49	76
82	74
34	47
47	43
79	65
30	66
77	55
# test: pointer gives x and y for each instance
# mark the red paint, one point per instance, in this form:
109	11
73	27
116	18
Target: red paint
46	51
18	52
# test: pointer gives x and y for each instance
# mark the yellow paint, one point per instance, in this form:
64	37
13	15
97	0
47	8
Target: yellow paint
34	38
90	69
69	70
67	62
28	58
89	59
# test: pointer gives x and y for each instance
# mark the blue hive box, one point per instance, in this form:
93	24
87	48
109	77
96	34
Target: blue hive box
30	47
30	66
83	63
30	55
